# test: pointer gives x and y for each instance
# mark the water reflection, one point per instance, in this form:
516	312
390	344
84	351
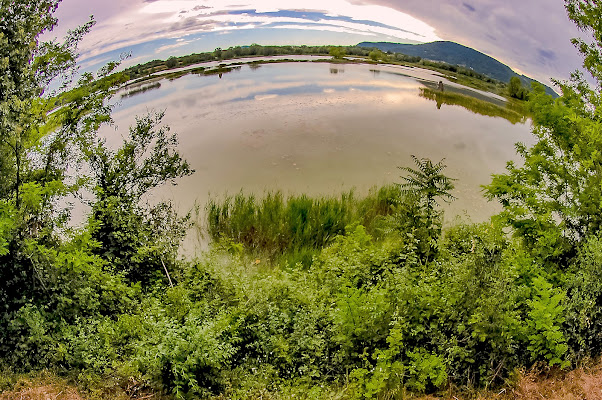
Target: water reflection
301	128
133	90
514	113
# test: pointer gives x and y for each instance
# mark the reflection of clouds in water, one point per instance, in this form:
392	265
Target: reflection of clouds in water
187	101
396	98
265	97
320	142
277	80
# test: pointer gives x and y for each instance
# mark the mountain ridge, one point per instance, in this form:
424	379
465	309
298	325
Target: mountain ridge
457	54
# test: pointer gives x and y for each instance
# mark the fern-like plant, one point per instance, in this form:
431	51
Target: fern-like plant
428	182
422	187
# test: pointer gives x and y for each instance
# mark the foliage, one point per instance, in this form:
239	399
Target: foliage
338	52
553	199
584	301
377	55
516	89
425	185
54	277
427	182
136	240
171	62
545	318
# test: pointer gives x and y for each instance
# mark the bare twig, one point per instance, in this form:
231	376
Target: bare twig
167	273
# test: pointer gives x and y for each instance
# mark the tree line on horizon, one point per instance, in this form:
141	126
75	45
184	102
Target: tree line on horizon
338	52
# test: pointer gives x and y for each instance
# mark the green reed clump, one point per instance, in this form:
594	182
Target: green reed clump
275	224
379	202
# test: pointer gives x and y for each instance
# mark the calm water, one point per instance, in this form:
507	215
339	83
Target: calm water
322	128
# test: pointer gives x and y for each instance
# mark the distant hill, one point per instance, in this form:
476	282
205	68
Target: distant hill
456	54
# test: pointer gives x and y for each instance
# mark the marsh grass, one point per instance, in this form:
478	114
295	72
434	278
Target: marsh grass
141	89
514	112
297	225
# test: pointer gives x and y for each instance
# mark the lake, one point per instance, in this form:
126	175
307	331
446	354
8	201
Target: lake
322	128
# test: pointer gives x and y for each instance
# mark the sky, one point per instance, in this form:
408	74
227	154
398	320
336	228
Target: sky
531	36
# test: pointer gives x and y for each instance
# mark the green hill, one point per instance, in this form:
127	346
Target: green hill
456	54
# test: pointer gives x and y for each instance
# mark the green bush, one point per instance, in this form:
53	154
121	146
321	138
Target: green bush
583	304
546	315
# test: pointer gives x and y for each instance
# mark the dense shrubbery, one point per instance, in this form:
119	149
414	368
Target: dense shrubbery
366	297
369	316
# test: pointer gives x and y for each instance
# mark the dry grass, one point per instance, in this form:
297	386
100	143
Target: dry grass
48	392
44	387
47	386
582	383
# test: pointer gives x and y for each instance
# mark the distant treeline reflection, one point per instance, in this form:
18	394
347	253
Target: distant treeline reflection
513	111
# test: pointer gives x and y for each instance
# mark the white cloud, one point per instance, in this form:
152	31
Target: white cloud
531	36
144	22
339	29
179	43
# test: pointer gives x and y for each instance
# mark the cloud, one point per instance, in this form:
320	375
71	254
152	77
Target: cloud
193	24
179	43
469	7
143	21
530	36
512	31
547	54
324	28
